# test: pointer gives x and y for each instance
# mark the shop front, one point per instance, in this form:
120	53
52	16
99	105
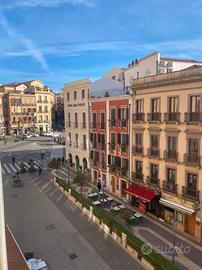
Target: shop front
145	199
184	216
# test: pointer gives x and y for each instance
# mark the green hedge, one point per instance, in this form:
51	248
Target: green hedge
156	259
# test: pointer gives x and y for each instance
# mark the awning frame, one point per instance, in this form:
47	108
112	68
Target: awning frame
176	206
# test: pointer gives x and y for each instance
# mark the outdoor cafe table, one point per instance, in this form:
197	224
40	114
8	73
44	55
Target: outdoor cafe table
100	192
93	194
115	208
121	206
137	215
110	199
96	203
101	200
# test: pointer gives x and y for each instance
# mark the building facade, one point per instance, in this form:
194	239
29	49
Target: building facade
167	147
19	112
76	96
58	112
44	103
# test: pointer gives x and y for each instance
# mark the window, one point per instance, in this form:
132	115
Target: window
102	120
84	120
75	95
103	162
84	142
77	140
138	167
155	105
69	120
76	120
46	109
83	93
45	99
155	141
139	106
94	120
172	143
191	181
70	139
195	104
171	175
68	97
154	171
113	117
173	104
113	141
179	217
138	139
101	138
123	139
193	146
124	163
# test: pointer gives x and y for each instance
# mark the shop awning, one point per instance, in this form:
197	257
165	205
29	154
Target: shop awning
177	206
143	193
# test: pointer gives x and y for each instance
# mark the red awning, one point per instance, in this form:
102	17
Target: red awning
146	194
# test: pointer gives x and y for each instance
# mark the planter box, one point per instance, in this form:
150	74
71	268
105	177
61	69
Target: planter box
96	220
66	193
132	251
86	211
114	236
79	205
61	188
147	264
105	228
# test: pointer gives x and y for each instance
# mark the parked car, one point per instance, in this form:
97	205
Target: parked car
48	134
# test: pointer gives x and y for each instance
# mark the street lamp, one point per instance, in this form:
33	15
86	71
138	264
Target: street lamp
102	185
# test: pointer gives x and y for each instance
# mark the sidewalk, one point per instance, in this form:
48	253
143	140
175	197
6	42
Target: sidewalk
159	236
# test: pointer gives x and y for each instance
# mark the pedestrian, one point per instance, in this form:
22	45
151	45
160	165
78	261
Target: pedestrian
42	155
13	160
39	170
63	160
99	185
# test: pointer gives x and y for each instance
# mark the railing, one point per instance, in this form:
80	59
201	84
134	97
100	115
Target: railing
39	101
112	123
171	155
94	162
112	146
123	123
45	111
124	172
137	176
40	121
124	148
153	181
172	117
138	117
39	111
193	117
103	146
137	150
169	186
192	158
46	121
153	117
153	152
103	165
93	145
45	101
102	125
190	193
112	168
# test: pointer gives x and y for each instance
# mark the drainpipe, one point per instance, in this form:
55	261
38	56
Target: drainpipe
3	250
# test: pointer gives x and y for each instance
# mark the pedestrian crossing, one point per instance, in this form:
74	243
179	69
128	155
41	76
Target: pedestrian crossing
12	168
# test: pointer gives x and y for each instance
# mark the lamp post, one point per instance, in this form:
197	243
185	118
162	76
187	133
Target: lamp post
103	196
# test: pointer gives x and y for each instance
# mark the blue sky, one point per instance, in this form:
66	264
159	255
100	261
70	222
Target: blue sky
58	41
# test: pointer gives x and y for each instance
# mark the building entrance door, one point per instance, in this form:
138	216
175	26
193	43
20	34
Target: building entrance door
190	224
113	183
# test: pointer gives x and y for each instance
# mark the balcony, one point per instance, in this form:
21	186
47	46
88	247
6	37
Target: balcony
45	101
103	165
112	123
112	146
170	186
154	117
192	159
193	117
94	162
39	111
172	117
40	121
138	117
45	111
171	155
39	101
137	177
112	168
103	146
151	152
93	145
102	125
153	181
124	148
124	172
137	150
123	123
46	121
190	193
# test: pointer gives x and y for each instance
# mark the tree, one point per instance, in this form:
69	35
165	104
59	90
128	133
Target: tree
53	164
80	178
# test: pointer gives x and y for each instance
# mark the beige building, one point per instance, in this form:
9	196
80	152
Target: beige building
44	104
167	147
76	95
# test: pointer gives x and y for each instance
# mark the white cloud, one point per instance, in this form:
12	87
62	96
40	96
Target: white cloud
46	3
29	45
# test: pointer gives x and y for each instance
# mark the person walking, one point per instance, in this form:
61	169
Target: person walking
13	160
99	185
40	170
63	160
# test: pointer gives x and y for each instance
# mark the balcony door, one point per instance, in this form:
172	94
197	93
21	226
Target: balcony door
154	171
